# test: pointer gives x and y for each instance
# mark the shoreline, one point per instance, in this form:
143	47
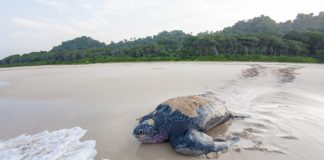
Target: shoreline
219	58
81	65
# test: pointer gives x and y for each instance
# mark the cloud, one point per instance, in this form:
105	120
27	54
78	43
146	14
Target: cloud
35	35
58	4
86	6
48	26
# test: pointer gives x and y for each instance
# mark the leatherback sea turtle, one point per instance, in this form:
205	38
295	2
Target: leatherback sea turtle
182	121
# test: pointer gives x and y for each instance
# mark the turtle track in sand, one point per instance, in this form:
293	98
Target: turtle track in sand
245	95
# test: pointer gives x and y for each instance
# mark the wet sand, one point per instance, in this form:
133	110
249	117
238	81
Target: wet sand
285	103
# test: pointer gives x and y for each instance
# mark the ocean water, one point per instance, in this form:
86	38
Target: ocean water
89	111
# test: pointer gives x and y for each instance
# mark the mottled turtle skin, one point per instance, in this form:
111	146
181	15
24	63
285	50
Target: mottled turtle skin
182	121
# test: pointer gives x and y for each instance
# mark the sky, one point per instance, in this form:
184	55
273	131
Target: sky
36	25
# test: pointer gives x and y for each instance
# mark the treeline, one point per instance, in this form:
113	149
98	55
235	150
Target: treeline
260	36
266	25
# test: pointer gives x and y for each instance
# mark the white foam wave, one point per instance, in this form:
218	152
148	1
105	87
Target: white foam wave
60	144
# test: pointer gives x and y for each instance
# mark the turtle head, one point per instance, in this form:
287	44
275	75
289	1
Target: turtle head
147	132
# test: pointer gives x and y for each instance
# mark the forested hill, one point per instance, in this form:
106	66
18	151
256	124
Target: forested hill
79	43
266	25
260	38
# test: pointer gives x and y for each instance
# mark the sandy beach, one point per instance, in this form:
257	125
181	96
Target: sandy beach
285	102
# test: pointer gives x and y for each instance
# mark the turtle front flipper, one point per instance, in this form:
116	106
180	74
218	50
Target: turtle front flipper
194	142
146	117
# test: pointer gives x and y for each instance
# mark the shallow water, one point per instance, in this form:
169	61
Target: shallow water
285	103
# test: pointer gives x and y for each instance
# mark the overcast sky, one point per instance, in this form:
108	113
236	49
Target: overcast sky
34	25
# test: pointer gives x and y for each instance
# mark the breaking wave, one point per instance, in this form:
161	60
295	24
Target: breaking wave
60	144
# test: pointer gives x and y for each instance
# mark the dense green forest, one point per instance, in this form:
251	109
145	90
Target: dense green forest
257	39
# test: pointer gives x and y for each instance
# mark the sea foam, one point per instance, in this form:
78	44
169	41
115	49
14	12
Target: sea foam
60	144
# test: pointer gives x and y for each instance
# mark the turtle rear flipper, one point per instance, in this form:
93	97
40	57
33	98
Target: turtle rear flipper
194	142
238	116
